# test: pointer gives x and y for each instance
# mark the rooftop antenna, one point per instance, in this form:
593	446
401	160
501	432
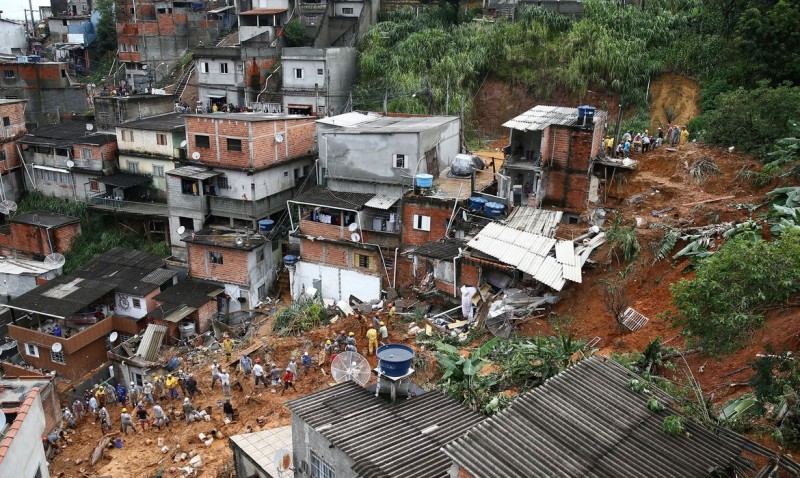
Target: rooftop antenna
350	367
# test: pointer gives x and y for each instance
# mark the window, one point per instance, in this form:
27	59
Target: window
223	67
62	152
63	73
127	135
64	23
201	141
123	47
204	68
298	73
215	257
2	156
399	161
306	170
31	350
422	223
361	260
9	74
158	171
137	303
320	71
186	222
133	166
234	144
222	182
320	469
94	185
134	48
58	357
6	121
86	153
347	11
161	139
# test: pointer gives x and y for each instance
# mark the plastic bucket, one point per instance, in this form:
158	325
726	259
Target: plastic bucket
424	180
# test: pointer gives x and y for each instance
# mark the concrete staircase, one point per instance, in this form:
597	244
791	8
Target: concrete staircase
183	82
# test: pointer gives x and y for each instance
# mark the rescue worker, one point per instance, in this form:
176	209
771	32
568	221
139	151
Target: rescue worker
191	385
159	418
274	376
189	411
105	420
376	320
147	390
78	409
307	363
341	339
288	380
93	407
334	353
372	338
100	395
292	365
351	343
69	417
133	393
392	310
228	409
111	394
122	393
214	373
141	415
158	387
172	386
384	332
126	421
258	374
225	379
182	381
227	346
327	347
246	365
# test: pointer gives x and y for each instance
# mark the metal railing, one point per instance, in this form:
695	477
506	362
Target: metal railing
106	203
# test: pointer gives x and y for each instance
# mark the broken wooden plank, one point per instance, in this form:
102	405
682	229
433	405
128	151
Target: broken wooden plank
723	198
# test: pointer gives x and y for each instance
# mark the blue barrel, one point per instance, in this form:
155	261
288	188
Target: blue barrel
494	209
477	203
266	225
394	360
424	180
290	260
173	363
118	443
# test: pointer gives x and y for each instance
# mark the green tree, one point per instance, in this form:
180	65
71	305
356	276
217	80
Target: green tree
768	35
295	33
106	26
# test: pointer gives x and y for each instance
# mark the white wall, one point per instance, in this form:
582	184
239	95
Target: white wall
356	6
145	142
337	283
26	456
309	66
268	182
12	36
146	167
130	311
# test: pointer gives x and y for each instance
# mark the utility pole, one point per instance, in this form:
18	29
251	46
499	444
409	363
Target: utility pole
447	98
386	102
619	125
316	98
33	26
350	101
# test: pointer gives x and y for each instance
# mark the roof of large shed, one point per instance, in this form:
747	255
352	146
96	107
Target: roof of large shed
410	435
321	196
66	134
586	422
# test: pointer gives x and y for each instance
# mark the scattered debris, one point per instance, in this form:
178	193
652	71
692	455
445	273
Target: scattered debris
633	320
702	168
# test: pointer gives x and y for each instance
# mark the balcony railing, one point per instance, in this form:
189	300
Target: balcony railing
104	203
250	210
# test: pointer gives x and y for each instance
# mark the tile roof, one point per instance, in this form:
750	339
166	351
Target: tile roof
320	196
261	447
404	438
22	412
586	422
445	249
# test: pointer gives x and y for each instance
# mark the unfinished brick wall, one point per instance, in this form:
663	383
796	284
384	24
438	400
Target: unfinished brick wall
233	269
338	255
567	176
437	209
319	229
204	316
32	240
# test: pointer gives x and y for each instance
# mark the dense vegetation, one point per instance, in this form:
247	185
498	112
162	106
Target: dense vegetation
98	232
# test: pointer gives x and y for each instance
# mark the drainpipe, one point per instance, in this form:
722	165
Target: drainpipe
455	281
394	274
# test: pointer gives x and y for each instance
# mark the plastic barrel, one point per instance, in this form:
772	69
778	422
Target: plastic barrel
395	359
118	443
424	180
266	225
477	203
290	260
173	363
494	209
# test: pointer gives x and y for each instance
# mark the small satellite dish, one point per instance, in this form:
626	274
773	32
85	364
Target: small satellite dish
70	163
54	260
239	241
181	230
353	227
113	336
57	347
350	367
355	237
196	155
183	143
89	127
144	67
7	207
279	138
282	460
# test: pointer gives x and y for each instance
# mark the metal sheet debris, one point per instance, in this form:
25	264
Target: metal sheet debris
633	320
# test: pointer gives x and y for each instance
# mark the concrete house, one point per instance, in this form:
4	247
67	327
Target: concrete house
220	76
111	293
62	158
12	37
187	302
47	88
549	156
262	19
328	436
254	453
155	32
243	263
12	114
317	81
375	154
73	34
608	428
111	111
149	148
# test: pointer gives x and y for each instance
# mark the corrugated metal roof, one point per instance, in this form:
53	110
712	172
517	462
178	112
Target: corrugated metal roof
446	249
572	273
261	447
565	253
381	201
586	422
410	433
159	276
540	117
352	118
320	196
151	342
193	172
535	220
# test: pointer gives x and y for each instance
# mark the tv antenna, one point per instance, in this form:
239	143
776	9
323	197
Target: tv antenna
282	460
350	367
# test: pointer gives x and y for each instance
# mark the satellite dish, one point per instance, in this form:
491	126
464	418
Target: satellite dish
355	237
181	230
183	143
70	163
54	260
353	227
350	367
239	241
123	303
196	155
7	207
57	347
282	460
144	67
279	138
113	337
89	126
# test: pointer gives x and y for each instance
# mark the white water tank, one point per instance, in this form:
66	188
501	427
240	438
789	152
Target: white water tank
187	330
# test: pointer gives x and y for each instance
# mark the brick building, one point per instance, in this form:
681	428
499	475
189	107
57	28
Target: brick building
12	114
61	160
549	157
112	293
47	88
188	302
37	234
152	32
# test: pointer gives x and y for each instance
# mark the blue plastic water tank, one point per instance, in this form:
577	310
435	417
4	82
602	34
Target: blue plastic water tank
477	203
586	113
290	260
494	209
266	225
424	180
394	360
